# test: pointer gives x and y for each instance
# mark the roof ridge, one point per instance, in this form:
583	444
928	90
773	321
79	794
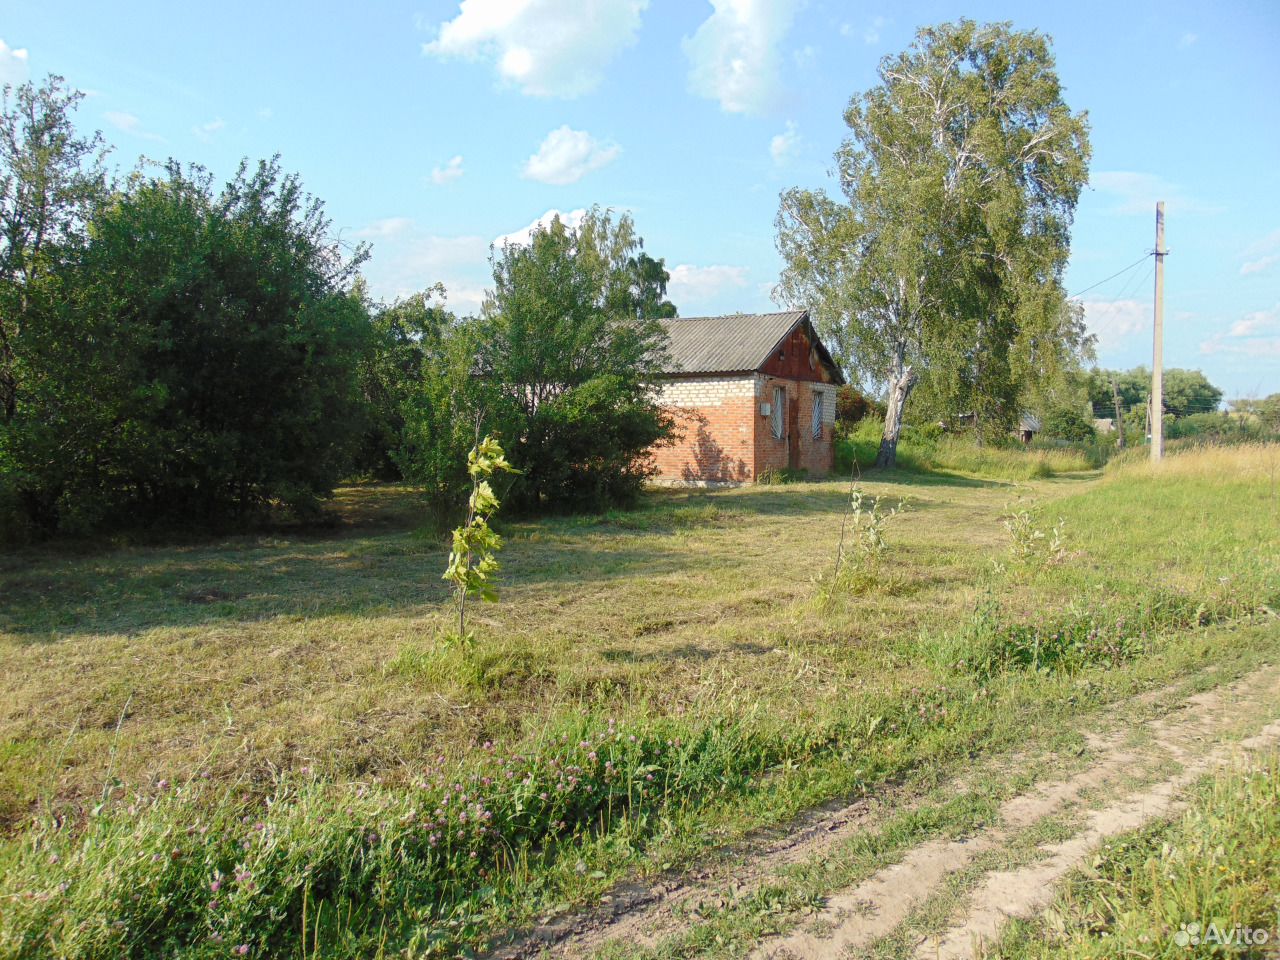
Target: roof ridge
730	316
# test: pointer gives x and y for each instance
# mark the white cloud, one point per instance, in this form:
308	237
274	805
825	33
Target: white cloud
1263	254
872	34
129	123
407	259
1259	265
521	237
547	48
207	131
1256	334
566	156
690	283
1187	40
388	227
1114	321
1136	193
733	55
784	146
1257	323
13	64
449	172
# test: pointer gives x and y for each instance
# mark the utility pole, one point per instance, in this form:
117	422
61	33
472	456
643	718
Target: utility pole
1157	361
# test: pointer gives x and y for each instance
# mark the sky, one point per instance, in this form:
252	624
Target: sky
433	129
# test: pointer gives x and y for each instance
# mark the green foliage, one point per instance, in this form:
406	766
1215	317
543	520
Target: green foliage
1214	427
51	180
853	406
1186	392
201	361
859	444
1268	411
168	354
1067	423
944	264
993	643
408	338
473	558
1029	543
191	873
562	365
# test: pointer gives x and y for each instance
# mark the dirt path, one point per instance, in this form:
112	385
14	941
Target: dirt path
1129	781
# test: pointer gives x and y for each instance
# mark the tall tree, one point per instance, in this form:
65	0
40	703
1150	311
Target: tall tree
1185	391
943	265
51	178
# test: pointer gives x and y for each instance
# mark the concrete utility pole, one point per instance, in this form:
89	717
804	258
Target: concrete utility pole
1157	361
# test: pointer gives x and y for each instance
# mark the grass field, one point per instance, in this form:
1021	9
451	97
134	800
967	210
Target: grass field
256	742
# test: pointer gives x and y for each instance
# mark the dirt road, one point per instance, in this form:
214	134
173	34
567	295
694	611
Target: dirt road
942	898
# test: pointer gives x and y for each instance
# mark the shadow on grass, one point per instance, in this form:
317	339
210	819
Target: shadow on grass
374	563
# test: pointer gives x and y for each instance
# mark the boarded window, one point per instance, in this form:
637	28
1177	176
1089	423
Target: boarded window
817	414
775	414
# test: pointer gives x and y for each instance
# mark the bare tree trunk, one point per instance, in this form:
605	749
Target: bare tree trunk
901	382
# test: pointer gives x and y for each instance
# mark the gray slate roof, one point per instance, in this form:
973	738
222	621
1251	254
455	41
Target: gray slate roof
738	343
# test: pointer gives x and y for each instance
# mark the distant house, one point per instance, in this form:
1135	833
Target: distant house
752	393
1028	427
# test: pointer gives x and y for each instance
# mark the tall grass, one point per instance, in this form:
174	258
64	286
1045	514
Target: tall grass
923	448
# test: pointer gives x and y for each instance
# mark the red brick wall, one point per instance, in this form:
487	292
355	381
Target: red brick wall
813	454
724	438
717	441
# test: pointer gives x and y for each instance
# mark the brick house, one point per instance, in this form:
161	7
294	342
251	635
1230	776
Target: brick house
752	393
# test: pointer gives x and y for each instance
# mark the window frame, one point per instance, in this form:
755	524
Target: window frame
777	423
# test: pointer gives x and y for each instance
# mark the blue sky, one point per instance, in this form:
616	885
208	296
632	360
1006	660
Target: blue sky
431	129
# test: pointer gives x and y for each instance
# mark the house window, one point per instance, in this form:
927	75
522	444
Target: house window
817	414
775	415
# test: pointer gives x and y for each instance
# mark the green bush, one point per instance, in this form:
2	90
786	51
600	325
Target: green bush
1067	424
1218	427
561	369
859	442
195	362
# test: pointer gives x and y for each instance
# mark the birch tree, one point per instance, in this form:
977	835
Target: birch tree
941	264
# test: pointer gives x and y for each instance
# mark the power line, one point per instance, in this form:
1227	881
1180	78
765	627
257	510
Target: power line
1110	278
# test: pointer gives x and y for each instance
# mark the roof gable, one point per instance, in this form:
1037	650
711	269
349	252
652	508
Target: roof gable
737	343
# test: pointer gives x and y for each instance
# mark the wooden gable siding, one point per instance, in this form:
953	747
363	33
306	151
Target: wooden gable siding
797	359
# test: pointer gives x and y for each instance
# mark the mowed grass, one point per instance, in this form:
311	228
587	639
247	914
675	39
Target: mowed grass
291	686
265	653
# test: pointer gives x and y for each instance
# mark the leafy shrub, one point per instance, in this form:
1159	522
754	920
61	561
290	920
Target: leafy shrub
1067	424
853	406
858	444
195	363
561	368
1216	427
